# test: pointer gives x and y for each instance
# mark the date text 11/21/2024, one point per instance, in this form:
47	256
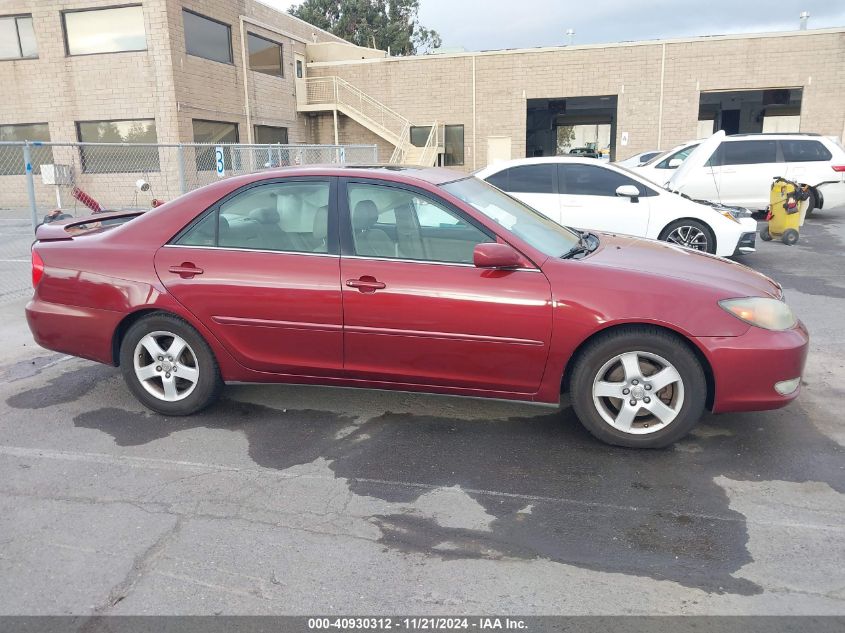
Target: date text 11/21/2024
416	623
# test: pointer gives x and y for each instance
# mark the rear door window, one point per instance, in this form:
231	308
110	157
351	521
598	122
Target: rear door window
801	151
526	179
745	153
577	179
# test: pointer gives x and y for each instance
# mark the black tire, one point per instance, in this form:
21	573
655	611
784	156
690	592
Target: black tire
765	235
681	226
207	387
646	340
789	237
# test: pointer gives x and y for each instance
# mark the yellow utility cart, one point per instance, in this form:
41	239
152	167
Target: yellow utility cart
787	206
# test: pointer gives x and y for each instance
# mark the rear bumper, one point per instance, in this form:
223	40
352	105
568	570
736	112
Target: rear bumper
746	368
74	330
833	194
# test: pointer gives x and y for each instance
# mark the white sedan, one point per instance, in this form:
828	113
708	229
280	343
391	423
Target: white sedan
586	194
638	159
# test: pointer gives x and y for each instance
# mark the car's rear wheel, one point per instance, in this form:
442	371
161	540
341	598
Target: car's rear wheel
168	366
640	387
690	233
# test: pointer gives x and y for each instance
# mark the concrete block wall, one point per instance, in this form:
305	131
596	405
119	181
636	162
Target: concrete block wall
212	90
441	86
161	83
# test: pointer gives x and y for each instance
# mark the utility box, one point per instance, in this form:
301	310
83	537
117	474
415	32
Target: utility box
57	174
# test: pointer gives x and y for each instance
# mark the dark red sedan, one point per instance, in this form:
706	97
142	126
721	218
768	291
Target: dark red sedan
418	280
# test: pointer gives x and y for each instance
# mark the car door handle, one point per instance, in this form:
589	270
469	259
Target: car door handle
185	270
365	284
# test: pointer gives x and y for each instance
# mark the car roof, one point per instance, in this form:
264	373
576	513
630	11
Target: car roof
539	160
431	175
788	134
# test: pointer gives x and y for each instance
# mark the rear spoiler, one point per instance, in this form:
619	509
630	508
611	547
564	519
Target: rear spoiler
66	229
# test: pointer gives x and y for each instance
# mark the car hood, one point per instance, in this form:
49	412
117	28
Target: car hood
659	259
694	161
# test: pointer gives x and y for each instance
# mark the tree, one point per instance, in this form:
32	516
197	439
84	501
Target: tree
565	136
392	25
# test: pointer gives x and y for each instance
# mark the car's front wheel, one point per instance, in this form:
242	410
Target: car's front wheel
638	387
690	233
168	366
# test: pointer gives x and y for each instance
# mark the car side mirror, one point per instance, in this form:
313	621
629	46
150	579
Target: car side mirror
628	191
675	163
495	255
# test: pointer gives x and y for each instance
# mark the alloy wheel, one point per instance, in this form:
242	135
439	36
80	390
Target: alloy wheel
638	392
166	366
689	236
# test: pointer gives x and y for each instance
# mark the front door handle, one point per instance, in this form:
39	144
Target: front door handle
186	270
365	283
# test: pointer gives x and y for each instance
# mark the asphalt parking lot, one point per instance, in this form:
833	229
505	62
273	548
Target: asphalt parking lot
301	500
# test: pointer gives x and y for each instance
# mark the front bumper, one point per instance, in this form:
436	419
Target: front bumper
747	243
746	368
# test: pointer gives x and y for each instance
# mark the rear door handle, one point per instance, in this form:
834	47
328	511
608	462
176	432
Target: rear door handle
365	284
186	270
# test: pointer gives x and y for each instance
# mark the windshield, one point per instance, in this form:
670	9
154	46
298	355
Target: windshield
523	221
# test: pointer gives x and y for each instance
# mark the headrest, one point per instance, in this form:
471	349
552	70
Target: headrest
267	215
321	223
364	215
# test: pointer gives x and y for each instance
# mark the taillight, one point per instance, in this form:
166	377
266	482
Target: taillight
37	268
838	167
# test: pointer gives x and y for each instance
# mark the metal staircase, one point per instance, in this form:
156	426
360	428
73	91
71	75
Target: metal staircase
335	94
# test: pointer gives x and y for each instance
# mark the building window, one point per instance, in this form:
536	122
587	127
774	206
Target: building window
265	56
207	38
17	38
105	30
453	145
11	156
111	159
266	134
214	133
419	135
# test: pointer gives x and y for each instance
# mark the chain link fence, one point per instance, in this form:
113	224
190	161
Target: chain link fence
80	177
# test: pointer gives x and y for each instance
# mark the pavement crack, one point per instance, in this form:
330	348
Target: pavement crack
140	567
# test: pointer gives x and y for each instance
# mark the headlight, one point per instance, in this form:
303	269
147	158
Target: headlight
728	215
763	312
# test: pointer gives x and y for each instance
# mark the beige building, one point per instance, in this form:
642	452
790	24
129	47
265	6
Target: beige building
650	95
171	71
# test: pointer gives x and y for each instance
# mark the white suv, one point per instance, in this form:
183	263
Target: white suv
738	170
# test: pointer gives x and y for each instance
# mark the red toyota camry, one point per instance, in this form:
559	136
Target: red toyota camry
418	280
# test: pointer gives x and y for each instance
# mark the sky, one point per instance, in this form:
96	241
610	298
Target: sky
495	24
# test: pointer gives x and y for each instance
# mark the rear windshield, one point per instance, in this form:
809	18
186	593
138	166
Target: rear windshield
91	227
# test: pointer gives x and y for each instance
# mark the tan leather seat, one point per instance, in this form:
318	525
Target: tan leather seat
370	241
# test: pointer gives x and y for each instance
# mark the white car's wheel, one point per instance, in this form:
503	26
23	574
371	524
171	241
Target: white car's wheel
691	234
